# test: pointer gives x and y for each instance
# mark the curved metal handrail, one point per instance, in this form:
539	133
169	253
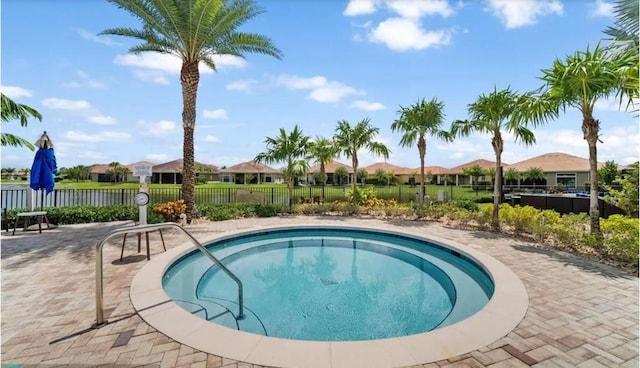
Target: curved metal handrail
143	229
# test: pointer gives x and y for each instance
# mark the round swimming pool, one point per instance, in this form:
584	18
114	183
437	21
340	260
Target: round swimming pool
330	284
325	294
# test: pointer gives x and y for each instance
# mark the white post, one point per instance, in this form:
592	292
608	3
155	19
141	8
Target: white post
142	211
30	195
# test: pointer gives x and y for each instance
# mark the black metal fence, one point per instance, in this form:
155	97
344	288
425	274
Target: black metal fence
17	197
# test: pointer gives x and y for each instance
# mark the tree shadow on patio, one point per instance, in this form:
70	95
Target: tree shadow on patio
580	262
78	242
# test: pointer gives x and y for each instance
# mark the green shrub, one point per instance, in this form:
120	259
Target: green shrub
467	204
522	219
621	238
267	210
360	195
483	200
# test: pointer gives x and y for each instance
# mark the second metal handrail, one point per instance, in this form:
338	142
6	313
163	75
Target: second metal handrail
142	229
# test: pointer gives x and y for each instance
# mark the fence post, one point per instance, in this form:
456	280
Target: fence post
122	196
55	198
272	202
324	199
451	195
399	193
310	193
228	195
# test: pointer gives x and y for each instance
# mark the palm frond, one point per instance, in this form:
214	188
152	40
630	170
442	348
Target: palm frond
7	139
11	110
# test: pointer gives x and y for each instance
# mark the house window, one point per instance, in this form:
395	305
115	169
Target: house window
566	179
268	179
226	178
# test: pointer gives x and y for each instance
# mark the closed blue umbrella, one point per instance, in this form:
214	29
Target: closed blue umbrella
44	166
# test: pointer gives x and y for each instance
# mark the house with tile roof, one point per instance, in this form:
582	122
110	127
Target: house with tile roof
250	172
560	168
457	176
171	172
401	173
330	169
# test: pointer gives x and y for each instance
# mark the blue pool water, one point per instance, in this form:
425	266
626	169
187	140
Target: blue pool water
330	284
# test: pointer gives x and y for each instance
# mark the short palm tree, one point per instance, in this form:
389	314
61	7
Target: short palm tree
291	149
416	122
512	175
322	151
535	174
579	82
10	110
494	114
362	175
194	31
341	173
349	139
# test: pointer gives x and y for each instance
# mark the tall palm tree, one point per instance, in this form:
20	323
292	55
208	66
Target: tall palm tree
494	114
322	151
415	123
194	31
579	82
624	34
349	139
291	149
625	39
10	110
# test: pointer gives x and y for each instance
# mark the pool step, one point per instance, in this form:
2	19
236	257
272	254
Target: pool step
222	312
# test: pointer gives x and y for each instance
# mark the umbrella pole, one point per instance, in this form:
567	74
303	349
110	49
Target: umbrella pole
41	199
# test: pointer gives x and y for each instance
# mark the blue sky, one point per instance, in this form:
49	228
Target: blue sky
343	60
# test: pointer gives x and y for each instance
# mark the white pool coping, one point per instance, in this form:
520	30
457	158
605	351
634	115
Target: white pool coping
500	315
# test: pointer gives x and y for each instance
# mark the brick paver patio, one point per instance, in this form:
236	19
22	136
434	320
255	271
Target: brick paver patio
581	313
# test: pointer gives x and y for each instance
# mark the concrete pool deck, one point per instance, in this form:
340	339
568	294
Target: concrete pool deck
581	313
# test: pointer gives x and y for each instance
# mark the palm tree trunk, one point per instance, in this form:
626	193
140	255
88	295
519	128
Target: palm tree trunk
422	149
498	146
354	164
189	78
322	173
590	129
495	219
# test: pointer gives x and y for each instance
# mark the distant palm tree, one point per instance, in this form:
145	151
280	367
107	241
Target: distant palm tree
341	173
535	174
194	31
474	172
512	175
579	82
415	123
362	176
291	149
322	151
381	176
349	139
10	110
495	114
114	171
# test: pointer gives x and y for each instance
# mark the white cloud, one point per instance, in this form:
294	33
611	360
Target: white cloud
64	104
211	138
520	13
601	8
154	67
241	85
367	105
83	82
15	92
73	135
162	127
420	8
87	35
157	157
153	76
215	114
321	89
402	34
613	104
360	7
101	119
92	155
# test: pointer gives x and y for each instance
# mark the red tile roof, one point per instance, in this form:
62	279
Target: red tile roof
329	168
554	162
485	164
250	167
387	167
